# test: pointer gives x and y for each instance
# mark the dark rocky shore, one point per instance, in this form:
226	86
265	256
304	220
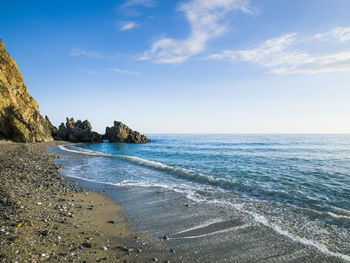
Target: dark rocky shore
44	218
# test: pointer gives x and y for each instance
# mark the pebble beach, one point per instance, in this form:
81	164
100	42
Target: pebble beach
45	218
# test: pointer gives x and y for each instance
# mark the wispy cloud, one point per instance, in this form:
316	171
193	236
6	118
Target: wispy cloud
207	20
279	56
132	3
128	25
118	70
339	33
76	52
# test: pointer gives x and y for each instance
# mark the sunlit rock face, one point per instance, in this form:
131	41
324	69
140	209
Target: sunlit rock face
20	119
119	132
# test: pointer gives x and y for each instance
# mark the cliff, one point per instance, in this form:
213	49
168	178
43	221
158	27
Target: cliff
20	119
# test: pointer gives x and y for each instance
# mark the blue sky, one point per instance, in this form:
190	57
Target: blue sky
189	66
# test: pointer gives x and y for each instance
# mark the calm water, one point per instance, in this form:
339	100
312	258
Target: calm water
299	185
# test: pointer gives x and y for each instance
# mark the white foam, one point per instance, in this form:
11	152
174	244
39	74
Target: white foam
218	232
82	150
264	221
205	224
336	216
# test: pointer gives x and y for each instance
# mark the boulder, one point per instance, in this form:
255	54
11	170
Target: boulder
20	119
119	132
77	131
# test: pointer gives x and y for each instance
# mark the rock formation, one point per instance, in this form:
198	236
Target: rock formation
20	119
53	129
77	132
122	133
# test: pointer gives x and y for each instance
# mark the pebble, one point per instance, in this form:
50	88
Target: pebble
45	232
88	245
104	248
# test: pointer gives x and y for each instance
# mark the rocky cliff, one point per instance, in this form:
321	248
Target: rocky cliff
77	132
119	132
20	119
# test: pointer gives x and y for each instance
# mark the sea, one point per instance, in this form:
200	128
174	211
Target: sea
296	185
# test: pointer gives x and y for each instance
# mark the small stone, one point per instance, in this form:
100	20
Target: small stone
165	237
88	245
44	232
155	259
104	248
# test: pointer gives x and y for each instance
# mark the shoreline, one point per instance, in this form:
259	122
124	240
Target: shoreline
196	231
47	218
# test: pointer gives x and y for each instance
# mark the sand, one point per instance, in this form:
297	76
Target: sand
44	218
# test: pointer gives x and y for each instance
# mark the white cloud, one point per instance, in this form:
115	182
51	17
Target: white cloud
132	3
340	34
118	70
76	52
279	56
128	26
207	19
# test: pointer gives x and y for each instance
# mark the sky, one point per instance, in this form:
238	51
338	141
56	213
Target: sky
186	66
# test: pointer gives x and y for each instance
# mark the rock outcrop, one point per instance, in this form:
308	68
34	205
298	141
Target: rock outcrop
77	132
20	119
52	128
119	132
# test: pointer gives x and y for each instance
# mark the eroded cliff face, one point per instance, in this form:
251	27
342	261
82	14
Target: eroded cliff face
20	119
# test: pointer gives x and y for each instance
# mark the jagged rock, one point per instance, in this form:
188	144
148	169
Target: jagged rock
53	129
122	133
78	131
20	119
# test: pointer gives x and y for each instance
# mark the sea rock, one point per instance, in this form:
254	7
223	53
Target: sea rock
119	132
78	131
20	119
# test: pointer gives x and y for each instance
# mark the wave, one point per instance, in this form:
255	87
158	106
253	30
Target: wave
75	149
278	229
189	174
181	172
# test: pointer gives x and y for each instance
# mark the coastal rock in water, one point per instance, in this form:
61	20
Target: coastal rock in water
20	119
119	132
78	131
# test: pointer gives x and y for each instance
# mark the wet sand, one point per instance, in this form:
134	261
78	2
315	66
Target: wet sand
44	218
200	232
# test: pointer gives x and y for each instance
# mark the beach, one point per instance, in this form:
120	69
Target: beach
44	218
49	216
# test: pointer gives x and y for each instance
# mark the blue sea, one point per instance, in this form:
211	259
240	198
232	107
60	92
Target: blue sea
298	185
